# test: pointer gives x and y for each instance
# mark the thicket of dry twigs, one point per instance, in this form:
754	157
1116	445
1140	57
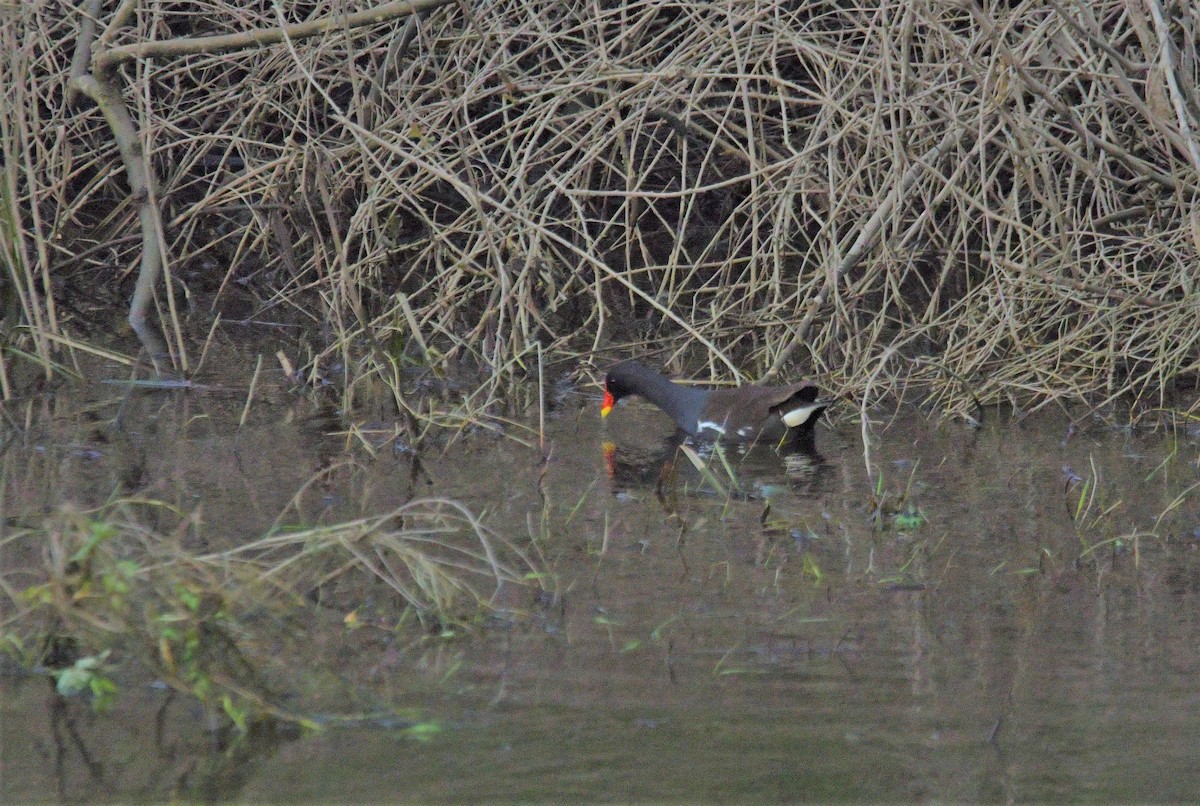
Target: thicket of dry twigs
962	198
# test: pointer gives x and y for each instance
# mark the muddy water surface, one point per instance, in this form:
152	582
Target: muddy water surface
986	638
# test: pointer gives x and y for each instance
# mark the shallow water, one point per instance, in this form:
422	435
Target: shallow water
699	645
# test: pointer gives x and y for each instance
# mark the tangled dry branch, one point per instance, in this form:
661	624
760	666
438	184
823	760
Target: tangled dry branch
965	198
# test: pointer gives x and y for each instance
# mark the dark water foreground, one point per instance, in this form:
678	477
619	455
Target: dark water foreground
996	641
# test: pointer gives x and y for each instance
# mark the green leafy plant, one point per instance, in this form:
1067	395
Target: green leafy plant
897	509
88	674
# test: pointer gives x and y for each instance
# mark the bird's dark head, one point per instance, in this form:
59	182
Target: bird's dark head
618	384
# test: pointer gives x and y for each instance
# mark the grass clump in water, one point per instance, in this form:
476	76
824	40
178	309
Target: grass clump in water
92	592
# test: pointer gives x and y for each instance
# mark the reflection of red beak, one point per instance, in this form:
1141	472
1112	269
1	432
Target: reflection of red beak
607	405
610	457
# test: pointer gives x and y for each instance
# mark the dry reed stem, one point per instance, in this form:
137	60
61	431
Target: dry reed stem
1007	194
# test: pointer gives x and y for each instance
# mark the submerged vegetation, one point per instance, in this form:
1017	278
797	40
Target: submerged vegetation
957	202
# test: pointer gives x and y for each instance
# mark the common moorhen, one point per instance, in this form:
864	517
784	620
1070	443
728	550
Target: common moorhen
748	413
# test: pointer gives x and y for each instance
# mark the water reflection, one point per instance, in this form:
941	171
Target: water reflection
1032	637
150	749
675	465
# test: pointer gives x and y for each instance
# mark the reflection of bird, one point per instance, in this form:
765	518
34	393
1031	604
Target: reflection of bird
656	468
632	469
747	472
769	414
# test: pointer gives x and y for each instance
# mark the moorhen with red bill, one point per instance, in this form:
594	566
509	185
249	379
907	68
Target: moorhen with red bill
771	414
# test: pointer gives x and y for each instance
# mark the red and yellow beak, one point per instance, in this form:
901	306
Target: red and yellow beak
607	405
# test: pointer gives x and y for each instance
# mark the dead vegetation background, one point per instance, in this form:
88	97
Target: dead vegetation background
958	199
